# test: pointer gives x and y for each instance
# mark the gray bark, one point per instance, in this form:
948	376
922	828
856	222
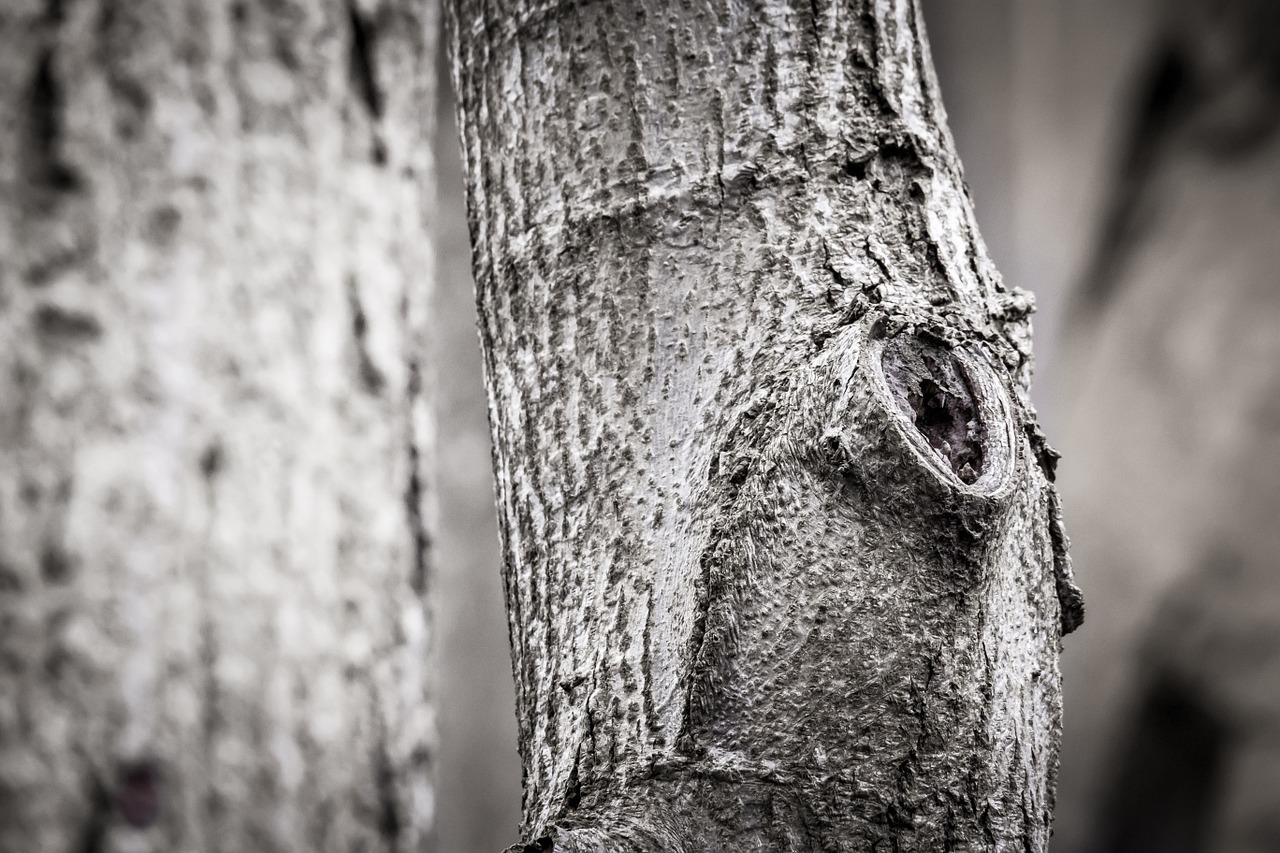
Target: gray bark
213	446
783	557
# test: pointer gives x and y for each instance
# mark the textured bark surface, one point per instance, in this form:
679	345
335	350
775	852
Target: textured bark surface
753	603
1175	440
213	501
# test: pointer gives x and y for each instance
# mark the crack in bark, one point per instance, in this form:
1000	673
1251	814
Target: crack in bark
48	169
94	832
413	497
371	376
361	61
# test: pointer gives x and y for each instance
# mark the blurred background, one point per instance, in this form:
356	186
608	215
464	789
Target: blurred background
1125	163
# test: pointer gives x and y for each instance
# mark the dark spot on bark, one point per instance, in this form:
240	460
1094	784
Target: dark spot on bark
420	758
93	835
836	276
284	50
56	566
856	169
933	391
163	224
10	580
361	65
62	254
573	797
370	376
214	803
46	104
378	152
56	662
212	460
417	523
1164	796
134	105
569	685
389	822
898	158
31	492
64	325
239	12
137	796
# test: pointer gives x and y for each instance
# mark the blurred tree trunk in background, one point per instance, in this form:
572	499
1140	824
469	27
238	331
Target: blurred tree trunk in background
214	272
783	559
1173	726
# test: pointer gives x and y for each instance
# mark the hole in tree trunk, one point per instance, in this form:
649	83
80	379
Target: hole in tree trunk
932	390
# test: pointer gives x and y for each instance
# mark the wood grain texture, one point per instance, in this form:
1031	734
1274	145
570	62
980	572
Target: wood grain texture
214	498
751	606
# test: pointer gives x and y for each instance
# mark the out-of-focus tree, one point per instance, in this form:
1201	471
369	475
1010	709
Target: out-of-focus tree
783	559
214	270
1173	736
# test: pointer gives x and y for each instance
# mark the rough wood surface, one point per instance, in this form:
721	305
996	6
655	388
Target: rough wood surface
213	492
784	563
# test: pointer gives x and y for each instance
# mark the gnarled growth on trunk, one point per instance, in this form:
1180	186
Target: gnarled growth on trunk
784	562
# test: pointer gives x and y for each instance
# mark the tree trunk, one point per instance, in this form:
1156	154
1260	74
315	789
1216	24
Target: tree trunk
213	444
784	563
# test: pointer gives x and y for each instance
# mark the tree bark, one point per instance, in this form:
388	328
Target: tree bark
783	557
213	445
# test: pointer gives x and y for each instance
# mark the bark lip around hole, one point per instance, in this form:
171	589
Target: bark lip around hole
950	408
